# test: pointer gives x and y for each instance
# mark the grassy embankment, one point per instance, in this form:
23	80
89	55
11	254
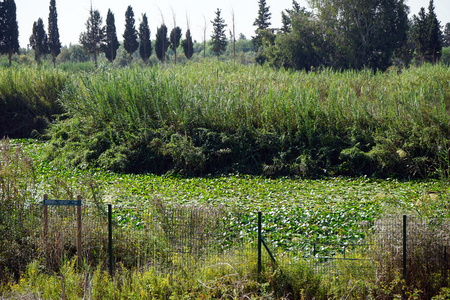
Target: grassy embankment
219	118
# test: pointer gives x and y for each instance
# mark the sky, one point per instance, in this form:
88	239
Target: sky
72	15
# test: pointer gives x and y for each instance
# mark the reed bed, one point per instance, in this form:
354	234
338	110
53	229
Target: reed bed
29	99
225	97
218	117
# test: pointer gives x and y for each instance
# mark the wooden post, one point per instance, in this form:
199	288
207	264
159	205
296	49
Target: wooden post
79	232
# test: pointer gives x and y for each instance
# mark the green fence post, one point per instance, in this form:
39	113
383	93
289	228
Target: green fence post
404	255
259	243
110	240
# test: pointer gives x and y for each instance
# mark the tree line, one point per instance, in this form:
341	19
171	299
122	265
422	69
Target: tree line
346	34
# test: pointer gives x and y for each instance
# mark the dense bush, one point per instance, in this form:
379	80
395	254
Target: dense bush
215	117
28	99
219	118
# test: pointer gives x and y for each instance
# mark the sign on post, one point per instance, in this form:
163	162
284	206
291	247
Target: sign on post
76	203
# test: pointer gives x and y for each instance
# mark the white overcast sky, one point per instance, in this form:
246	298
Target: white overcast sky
72	14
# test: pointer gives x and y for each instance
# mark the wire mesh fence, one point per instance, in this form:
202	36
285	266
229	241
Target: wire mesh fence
412	247
169	237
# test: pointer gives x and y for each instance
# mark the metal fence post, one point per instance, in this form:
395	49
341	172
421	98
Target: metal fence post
45	224
404	255
79	232
110	240
259	243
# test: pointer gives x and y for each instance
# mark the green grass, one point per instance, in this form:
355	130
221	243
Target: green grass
216	117
219	117
29	99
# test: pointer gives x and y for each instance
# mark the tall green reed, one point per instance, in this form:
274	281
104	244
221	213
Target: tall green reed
225	97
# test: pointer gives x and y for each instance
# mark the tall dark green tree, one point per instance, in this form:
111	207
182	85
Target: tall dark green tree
188	45
145	47
300	48
218	39
427	35
2	25
175	37
92	39
434	34
130	36
161	43
261	22
286	16
10	41
446	38
38	40
54	43
419	34
111	43
361	34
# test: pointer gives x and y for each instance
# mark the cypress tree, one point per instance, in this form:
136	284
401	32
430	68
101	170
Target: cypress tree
218	39
427	34
434	34
10	41
38	40
419	34
446	40
111	43
145	47
187	45
262	22
175	36
92	39
161	43
2	26
54	44
130	42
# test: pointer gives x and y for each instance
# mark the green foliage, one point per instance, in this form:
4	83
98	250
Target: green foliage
427	35
38	40
356	34
111	43
161	43
188	46
271	122
300	49
262	22
145	48
446	38
54	43
175	36
294	210
9	44
445	58
17	185
29	99
218	39
92	39
130	36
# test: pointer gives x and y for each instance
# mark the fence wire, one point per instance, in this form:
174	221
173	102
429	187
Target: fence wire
173	237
